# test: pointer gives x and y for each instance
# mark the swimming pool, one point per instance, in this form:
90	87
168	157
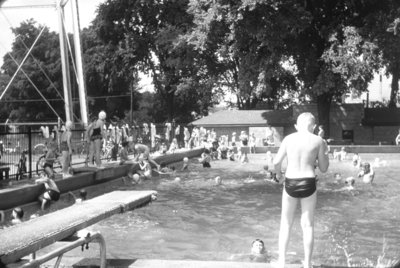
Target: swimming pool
195	219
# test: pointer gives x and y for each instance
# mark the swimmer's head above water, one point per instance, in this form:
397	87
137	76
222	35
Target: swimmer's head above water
257	247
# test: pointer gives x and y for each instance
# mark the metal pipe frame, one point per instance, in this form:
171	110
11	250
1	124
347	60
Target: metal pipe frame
93	237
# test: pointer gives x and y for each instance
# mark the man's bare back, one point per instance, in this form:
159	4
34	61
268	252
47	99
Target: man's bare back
302	151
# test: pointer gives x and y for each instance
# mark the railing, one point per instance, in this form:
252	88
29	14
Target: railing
21	150
82	241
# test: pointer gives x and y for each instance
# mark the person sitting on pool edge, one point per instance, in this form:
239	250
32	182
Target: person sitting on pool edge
123	154
145	167
143	150
52	193
205	158
367	173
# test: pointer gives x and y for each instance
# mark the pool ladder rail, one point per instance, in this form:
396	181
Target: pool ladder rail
72	243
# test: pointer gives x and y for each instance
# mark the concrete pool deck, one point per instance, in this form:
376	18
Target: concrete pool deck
155	263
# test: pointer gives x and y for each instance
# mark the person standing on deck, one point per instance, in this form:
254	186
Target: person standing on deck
66	149
303	151
97	134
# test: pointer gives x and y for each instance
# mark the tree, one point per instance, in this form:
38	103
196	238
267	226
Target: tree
246	39
375	29
322	80
147	35
44	56
109	80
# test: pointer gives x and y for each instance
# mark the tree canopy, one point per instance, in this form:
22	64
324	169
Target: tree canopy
266	53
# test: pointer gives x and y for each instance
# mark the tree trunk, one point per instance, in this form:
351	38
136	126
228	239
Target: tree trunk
170	103
395	89
324	106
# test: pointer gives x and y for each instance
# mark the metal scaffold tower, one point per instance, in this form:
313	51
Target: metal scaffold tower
65	51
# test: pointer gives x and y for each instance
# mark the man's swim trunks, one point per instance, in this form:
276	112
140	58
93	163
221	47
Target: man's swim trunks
96	134
301	187
54	195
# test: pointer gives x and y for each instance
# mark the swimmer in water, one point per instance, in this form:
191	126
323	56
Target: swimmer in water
17	215
82	196
367	173
350	181
185	165
205	158
218	180
258	253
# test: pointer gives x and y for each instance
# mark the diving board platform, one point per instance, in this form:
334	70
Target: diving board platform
23	239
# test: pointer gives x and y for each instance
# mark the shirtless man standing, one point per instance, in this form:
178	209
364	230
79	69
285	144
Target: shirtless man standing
303	151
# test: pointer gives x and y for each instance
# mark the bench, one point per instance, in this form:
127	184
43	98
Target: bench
4	173
28	237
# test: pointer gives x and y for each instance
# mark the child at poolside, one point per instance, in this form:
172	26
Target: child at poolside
231	154
52	193
145	167
206	158
123	154
367	173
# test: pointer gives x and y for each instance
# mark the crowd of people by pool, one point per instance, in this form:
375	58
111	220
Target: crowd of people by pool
305	150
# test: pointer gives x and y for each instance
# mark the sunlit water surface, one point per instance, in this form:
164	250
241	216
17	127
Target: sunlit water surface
195	219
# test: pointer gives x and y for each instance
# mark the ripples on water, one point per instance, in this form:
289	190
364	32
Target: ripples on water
195	219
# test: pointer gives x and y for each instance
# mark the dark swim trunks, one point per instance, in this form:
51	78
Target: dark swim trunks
54	195
96	134
300	187
206	165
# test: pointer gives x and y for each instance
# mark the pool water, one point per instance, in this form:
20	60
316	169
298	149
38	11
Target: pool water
193	218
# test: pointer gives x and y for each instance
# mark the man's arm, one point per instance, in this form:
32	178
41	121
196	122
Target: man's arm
323	157
280	155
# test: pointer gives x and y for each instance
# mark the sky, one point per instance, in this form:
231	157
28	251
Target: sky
12	17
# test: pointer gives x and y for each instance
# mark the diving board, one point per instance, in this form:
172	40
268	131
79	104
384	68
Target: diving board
30	236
